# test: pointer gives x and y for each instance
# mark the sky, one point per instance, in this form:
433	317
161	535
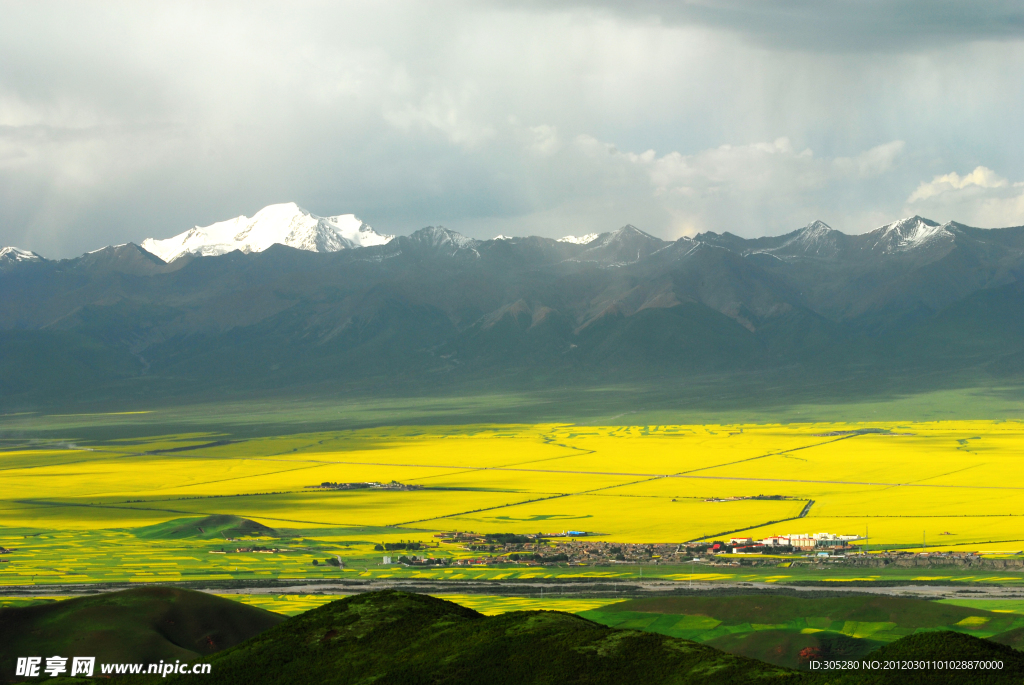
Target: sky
121	121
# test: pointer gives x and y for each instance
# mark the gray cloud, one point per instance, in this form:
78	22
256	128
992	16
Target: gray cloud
891	26
122	121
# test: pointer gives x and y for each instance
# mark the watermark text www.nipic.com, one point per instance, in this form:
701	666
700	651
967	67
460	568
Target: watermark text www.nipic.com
905	665
34	666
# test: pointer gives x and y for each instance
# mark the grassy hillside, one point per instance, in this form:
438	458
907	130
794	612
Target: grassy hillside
906	612
945	646
144	624
788	631
401	638
206	528
793	648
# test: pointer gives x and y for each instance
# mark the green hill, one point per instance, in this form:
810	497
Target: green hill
399	638
138	625
206	528
907	612
1012	638
793	648
935	646
785	630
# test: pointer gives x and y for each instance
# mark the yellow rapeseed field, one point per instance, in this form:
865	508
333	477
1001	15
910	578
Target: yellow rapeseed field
956	484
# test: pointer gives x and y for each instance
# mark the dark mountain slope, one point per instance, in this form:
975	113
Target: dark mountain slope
401	638
944	646
686	336
986	328
905	267
138	625
38	367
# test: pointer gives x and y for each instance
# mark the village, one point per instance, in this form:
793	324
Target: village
255	550
581	548
584	548
372	485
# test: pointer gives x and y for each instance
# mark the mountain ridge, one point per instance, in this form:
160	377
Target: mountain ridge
439	308
290	225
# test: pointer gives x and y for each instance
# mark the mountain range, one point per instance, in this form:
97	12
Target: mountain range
287	299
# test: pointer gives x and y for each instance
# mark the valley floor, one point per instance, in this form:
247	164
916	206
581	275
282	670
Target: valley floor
514	502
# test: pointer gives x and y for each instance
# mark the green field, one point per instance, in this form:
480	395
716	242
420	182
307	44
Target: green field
715	399
777	628
1008	606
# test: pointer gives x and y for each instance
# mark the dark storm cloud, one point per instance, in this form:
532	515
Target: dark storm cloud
845	25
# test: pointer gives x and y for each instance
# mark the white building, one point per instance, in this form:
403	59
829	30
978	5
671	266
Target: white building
807	540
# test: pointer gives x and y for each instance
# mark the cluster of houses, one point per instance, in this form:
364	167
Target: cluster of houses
469	537
371	485
454	536
799	541
257	550
413	560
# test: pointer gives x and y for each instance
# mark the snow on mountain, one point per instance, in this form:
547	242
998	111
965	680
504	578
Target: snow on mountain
287	224
15	254
815	232
442	239
628	234
503	237
579	239
816	239
439	236
108	247
623	246
909	233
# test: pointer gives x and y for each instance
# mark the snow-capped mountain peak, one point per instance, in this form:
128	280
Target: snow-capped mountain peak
15	254
579	239
439	236
816	239
909	233
354	230
627	234
287	224
817	226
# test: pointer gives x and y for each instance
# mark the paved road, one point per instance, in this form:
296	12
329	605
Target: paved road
514	588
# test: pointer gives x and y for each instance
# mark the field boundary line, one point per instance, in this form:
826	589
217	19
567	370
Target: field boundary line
802	514
681	474
770	454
